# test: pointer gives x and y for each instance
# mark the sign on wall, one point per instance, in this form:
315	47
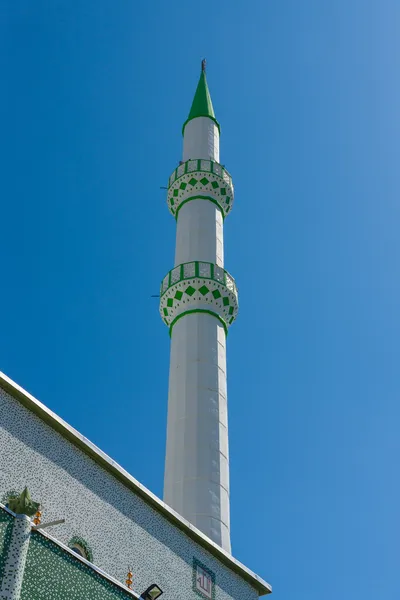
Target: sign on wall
203	580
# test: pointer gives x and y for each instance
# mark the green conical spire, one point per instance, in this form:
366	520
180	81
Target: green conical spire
23	504
202	104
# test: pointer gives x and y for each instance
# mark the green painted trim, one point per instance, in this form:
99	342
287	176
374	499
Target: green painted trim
196	117
199	310
199	198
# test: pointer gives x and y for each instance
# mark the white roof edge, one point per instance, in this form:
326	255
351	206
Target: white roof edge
109	464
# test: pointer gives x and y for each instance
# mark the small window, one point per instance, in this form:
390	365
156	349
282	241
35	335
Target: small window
79	550
80	547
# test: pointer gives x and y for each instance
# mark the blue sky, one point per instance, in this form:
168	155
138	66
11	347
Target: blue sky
94	96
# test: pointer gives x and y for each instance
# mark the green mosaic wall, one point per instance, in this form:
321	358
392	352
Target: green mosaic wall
6	523
51	573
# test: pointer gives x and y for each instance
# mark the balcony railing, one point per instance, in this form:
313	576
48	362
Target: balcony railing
202	270
200	165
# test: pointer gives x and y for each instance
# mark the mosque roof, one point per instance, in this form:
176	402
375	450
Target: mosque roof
102	459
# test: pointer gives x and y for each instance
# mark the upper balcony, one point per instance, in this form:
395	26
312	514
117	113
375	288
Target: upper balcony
199	179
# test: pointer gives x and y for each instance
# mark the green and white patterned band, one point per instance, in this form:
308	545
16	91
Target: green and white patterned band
198	287
200	179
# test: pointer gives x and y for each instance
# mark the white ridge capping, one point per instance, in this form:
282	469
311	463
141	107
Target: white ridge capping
79	440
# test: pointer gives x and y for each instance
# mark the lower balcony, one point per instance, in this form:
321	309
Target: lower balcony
198	287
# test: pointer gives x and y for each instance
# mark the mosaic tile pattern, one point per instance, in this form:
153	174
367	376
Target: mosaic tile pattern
6	525
14	566
53	574
121	529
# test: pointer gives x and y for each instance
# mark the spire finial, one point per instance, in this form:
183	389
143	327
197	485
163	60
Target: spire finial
202	105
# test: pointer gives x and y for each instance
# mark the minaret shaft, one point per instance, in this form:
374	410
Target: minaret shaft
199	233
197	469
201	139
198	303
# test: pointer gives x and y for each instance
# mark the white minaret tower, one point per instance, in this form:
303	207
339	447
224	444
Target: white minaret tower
198	303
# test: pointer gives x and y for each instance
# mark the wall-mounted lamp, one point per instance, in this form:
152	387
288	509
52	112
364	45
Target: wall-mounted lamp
152	593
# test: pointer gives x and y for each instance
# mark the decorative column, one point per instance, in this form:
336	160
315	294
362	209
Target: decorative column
199	302
10	588
16	559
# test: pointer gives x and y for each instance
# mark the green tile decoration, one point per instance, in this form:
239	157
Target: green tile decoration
52	573
204	290
6	524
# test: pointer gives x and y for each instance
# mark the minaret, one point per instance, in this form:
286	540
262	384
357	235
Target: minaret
199	302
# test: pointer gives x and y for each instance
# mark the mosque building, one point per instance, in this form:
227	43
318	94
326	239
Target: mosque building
98	534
